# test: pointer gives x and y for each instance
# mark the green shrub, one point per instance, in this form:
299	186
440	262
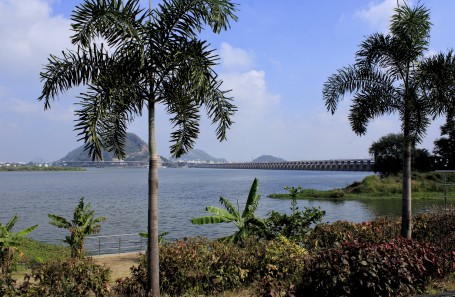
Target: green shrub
73	277
399	267
199	266
294	226
281	267
337	233
437	227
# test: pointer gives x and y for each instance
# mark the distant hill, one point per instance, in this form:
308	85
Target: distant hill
199	155
268	159
136	150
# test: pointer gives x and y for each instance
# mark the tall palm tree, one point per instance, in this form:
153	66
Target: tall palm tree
390	76
152	57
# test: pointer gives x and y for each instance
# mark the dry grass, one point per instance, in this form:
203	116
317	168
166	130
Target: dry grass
119	264
439	286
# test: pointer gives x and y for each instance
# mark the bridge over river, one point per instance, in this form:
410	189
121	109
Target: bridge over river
333	165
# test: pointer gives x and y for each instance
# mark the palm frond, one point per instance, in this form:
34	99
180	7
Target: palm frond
435	77
185	119
411	26
115	21
73	69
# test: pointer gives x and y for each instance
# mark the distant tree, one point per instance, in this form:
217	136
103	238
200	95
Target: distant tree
82	225
444	147
152	57
387	153
391	75
422	160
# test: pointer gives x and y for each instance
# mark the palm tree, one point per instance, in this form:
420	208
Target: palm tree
391	75
152	57
8	241
82	225
232	215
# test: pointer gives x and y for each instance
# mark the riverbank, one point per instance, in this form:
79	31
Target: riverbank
424	186
40	168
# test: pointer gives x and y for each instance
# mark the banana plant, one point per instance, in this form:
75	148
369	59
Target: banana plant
82	225
8	241
232	214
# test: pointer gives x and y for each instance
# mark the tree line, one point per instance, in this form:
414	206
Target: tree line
388	157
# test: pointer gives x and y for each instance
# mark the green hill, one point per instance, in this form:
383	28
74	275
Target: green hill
268	159
199	155
136	150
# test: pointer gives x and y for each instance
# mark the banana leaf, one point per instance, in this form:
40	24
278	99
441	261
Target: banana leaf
210	220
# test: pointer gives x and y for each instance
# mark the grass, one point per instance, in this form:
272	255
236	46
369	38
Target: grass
424	186
31	252
438	286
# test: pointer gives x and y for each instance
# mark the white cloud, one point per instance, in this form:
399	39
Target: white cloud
233	58
29	33
250	93
378	14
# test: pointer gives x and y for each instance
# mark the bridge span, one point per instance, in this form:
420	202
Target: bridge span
330	165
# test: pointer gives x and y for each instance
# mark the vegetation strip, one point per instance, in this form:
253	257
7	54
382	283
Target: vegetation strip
40	168
424	186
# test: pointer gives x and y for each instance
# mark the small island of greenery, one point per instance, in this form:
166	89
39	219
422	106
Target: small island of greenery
40	168
424	185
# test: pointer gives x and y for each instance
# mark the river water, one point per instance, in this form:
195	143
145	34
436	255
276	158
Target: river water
121	196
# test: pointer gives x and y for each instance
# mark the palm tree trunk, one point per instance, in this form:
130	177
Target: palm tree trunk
153	260
153	273
406	205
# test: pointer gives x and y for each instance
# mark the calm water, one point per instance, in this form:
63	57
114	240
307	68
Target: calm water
121	196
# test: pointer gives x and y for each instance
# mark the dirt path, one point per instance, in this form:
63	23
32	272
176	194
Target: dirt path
119	263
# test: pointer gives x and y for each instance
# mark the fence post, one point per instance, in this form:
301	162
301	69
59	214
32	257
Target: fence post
99	246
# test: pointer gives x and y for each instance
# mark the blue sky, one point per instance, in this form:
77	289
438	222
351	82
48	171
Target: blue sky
275	59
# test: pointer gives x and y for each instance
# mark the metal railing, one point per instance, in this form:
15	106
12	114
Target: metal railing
114	244
447	187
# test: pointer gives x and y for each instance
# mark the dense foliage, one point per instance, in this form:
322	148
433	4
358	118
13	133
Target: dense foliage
444	147
199	266
400	267
72	277
387	153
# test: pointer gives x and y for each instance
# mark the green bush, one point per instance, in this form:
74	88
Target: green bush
437	227
333	235
399	267
73	277
199	266
294	226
